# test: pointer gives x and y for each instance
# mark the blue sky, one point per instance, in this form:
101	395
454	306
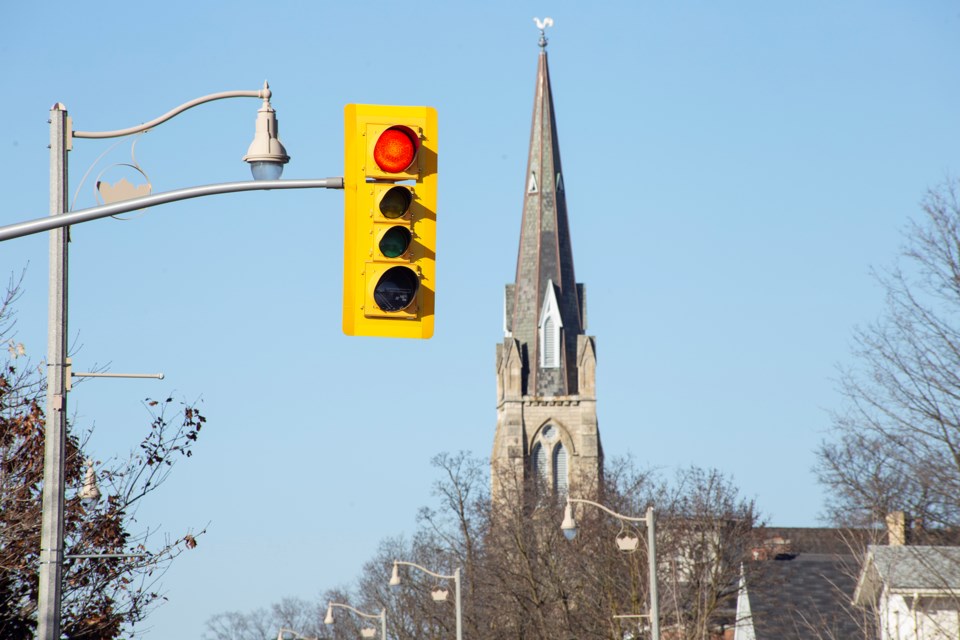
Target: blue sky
733	172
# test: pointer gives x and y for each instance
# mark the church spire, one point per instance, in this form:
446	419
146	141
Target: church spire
544	306
547	427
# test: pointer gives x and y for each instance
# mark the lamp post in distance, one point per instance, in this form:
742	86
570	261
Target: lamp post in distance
284	632
439	595
627	543
366	632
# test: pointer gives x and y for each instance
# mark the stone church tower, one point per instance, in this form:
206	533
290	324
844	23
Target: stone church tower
546	365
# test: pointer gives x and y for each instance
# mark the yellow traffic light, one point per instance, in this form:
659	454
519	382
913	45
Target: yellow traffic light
390	189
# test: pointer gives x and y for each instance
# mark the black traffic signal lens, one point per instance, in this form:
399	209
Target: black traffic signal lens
396	289
395	241
395	202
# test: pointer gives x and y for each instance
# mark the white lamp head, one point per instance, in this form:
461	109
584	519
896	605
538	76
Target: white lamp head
329	617
569	525
627	541
90	493
368	632
266	154
395	577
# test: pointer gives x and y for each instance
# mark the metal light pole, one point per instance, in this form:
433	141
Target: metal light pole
569	527
395	580
382	616
266	156
51	527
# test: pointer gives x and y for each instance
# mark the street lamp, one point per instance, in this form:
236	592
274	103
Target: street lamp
266	156
366	632
625	542
439	595
295	634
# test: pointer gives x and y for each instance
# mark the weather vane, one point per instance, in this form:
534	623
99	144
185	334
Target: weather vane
542	25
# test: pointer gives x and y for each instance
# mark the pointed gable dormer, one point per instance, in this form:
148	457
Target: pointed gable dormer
545	276
550	329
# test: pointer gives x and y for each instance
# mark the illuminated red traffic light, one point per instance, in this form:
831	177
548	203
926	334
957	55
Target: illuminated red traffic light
395	149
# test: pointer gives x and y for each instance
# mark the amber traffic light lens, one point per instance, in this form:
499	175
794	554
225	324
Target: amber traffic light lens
395	150
395	202
396	289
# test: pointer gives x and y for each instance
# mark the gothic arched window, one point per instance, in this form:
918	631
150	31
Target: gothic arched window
549	461
560	474
541	467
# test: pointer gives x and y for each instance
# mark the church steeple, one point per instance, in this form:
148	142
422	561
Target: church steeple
546	365
544	306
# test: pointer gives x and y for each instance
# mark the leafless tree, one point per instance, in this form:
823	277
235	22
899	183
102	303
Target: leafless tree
523	580
896	444
102	597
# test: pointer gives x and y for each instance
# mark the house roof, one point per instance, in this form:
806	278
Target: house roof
818	540
804	595
909	568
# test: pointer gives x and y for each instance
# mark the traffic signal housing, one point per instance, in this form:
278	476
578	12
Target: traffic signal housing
390	193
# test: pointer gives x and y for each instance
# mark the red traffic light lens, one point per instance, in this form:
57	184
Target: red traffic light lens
395	149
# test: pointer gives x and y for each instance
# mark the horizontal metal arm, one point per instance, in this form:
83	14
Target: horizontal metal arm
613	513
46	223
262	93
107	555
95	374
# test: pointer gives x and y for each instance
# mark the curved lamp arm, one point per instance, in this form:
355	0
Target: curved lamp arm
611	512
266	154
396	578
294	633
264	94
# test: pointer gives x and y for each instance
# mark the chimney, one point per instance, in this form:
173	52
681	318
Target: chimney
896	528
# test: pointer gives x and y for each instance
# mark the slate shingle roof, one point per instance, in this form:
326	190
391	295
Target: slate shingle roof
805	596
913	567
908	568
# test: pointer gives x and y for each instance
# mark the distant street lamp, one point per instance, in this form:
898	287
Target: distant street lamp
439	595
283	632
366	632
266	156
626	541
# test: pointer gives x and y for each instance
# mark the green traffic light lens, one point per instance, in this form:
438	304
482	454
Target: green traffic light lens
395	202
395	242
396	289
